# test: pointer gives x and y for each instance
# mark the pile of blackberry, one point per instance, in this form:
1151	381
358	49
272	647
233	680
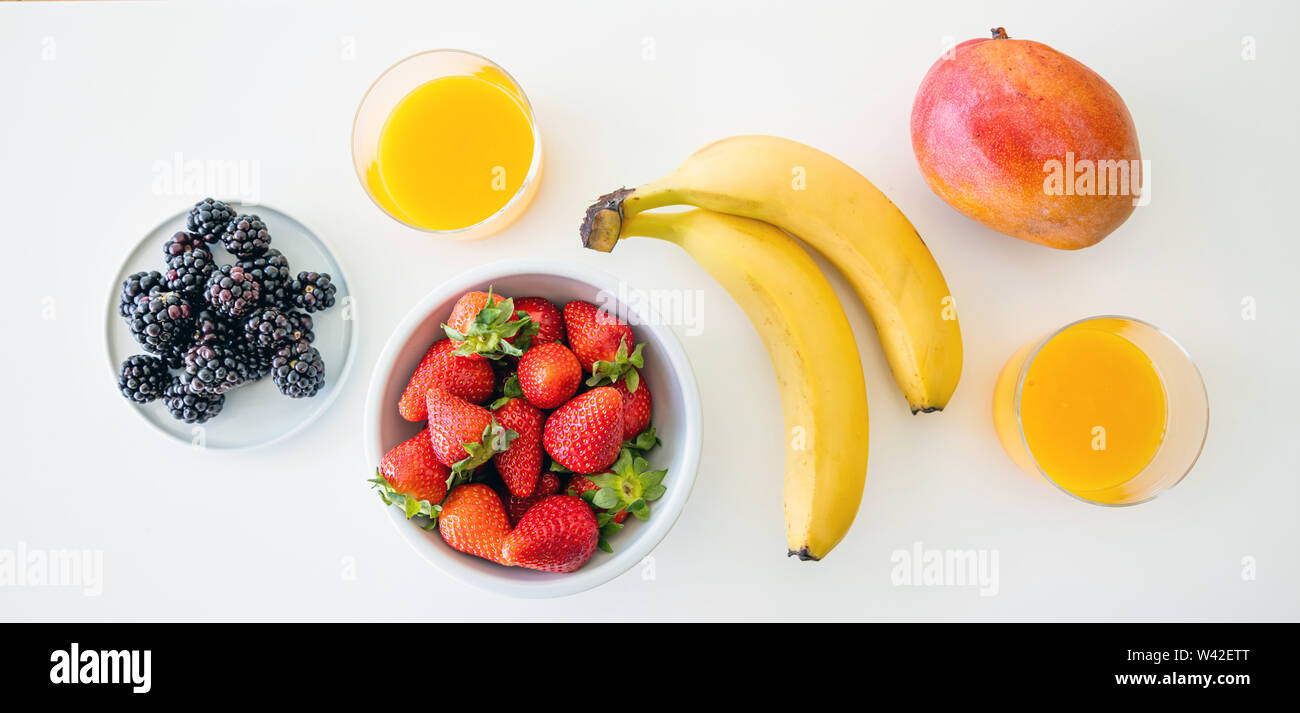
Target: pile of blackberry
221	326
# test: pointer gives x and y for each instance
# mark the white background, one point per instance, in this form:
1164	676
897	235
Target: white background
623	92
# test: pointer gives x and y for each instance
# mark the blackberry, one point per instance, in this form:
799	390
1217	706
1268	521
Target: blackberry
161	321
213	369
175	355
143	378
181	242
187	406
298	370
136	286
246	236
232	291
271	270
268	327
313	291
188	271
300	326
208	219
210	327
254	363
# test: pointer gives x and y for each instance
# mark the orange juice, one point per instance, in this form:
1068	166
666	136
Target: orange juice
1092	409
453	151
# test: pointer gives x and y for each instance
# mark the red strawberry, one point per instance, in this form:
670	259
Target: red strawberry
580	484
484	324
603	343
548	484
468	307
473	521
549	375
469	378
550	324
558	534
412	478
464	436
585	434
636	408
411	469
520	464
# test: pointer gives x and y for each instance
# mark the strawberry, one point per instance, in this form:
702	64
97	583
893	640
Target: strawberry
548	484
484	324
412	478
636	408
580	485
603	343
469	378
520	464
628	487
550	324
473	521
585	434
558	534
549	375
464	436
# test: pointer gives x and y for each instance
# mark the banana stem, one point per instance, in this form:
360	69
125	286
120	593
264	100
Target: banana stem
603	223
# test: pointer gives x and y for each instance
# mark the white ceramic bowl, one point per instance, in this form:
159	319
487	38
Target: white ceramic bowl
676	417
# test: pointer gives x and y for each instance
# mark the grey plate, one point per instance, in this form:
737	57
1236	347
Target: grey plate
257	414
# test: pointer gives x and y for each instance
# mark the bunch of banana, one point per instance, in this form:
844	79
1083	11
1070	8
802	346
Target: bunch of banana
840	213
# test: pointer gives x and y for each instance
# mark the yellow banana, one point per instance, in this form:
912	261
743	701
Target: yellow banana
811	346
839	213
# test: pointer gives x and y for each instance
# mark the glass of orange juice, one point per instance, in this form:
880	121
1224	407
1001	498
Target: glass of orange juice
1109	409
445	141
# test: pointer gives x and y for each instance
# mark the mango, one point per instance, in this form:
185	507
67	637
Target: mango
1028	141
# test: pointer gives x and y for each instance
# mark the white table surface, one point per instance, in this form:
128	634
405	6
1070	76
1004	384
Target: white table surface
93	94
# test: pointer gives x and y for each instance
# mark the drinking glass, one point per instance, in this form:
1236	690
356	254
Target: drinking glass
399	81
1187	415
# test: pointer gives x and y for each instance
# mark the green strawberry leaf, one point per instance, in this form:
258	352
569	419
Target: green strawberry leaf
654	492
511	387
557	467
524	339
410	506
652	478
608	528
637	360
606	498
623	367
644	441
496	439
